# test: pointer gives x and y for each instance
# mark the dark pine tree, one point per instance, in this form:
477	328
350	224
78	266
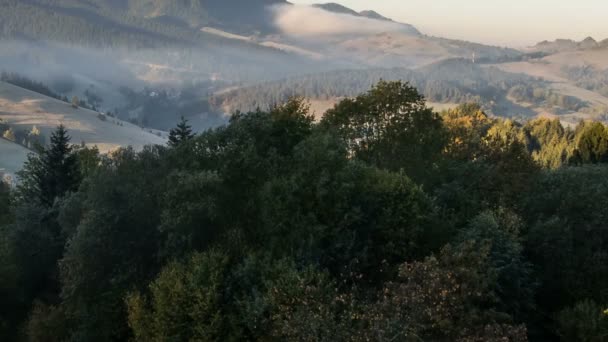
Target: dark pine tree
181	133
53	172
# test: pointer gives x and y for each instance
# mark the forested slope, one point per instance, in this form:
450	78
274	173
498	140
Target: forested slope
135	24
450	81
385	221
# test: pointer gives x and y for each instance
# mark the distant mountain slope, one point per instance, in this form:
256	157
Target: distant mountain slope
563	45
396	49
373	15
340	9
450	81
239	15
337	8
23	109
133	23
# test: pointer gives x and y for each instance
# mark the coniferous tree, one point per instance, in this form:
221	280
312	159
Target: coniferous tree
52	173
181	133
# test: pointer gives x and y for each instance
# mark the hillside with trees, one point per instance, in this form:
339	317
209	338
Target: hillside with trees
385	221
450	81
134	23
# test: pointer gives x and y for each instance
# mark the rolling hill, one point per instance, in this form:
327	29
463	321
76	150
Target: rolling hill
23	109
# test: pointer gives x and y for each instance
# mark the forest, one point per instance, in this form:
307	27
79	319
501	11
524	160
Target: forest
449	81
385	221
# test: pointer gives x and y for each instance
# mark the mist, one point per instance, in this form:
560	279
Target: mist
309	22
152	87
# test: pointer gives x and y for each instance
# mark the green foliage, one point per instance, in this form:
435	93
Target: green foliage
5	202
191	210
467	126
52	173
443	298
567	241
591	143
120	208
390	127
305	305
585	321
181	133
186	302
383	222
46	323
500	231
549	142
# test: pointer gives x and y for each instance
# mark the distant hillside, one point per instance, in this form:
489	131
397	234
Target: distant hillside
451	81
239	15
23	109
397	49
373	15
563	45
337	8
133	23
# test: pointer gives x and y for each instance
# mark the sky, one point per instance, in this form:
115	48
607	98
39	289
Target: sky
516	23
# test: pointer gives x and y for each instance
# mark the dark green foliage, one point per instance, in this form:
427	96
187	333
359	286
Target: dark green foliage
585	321
51	173
5	214
187	302
500	231
384	222
181	133
568	239
120	208
549	142
191	211
445	297
26	83
592	143
390	127
35	240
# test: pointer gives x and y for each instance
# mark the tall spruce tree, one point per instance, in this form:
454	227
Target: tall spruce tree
51	173
181	133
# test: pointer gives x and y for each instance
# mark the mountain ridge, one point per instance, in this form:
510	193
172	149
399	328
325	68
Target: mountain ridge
369	14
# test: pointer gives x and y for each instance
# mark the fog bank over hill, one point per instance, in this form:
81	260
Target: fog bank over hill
296	21
517	23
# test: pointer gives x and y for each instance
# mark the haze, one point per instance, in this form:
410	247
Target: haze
516	23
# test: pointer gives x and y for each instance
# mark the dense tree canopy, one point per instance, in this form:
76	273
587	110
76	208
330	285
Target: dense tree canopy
385	221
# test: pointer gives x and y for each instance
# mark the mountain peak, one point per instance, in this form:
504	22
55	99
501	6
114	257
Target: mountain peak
337	8
373	15
369	14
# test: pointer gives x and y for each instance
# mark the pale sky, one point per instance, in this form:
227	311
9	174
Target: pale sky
517	23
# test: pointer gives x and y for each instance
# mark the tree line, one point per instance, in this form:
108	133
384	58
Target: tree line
385	221
451	81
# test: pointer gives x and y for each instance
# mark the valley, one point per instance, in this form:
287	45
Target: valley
273	170
204	62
